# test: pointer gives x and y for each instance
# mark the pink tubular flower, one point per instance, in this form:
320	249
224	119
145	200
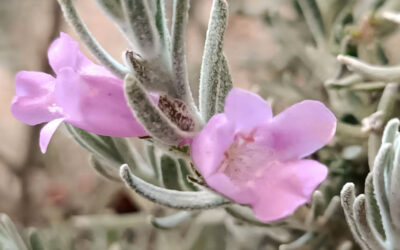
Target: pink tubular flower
83	94
253	158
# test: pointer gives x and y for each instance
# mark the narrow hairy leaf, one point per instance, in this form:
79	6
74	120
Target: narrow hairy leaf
172	198
170	172
150	116
224	85
360	218
34	240
371	72
212	56
314	20
94	144
171	221
347	197
142	27
382	162
161	24
373	214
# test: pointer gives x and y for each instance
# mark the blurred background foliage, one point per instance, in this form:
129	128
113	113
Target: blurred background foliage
284	50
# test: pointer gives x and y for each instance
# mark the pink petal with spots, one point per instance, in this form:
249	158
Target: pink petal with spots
209	146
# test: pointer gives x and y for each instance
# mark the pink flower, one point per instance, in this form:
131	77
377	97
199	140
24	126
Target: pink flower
83	94
256	159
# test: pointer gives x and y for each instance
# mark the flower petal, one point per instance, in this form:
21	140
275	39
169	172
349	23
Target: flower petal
47	132
96	104
284	188
64	52
209	146
34	102
301	129
222	184
33	83
246	110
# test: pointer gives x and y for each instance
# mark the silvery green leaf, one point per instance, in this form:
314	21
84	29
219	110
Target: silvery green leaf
298	243
161	24
95	144
373	214
154	162
10	238
331	208
212	56
371	72
186	173
179	27
113	8
173	220
153	120
386	110
347	197
130	156
382	162
344	82
364	229
391	131
34	240
172	198
154	74
103	169
224	85
170	173
143	29
314	20
394	197
317	207
71	15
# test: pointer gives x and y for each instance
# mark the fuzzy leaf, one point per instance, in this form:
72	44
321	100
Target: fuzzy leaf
394	197
171	221
95	144
371	72
10	238
170	174
382	163
143	31
210	67
161	24
347	197
364	229
391	131
373	214
150	116
224	85
314	20
179	27
34	240
172	198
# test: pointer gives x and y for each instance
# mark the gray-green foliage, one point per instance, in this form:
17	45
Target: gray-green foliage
374	216
158	167
10	239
